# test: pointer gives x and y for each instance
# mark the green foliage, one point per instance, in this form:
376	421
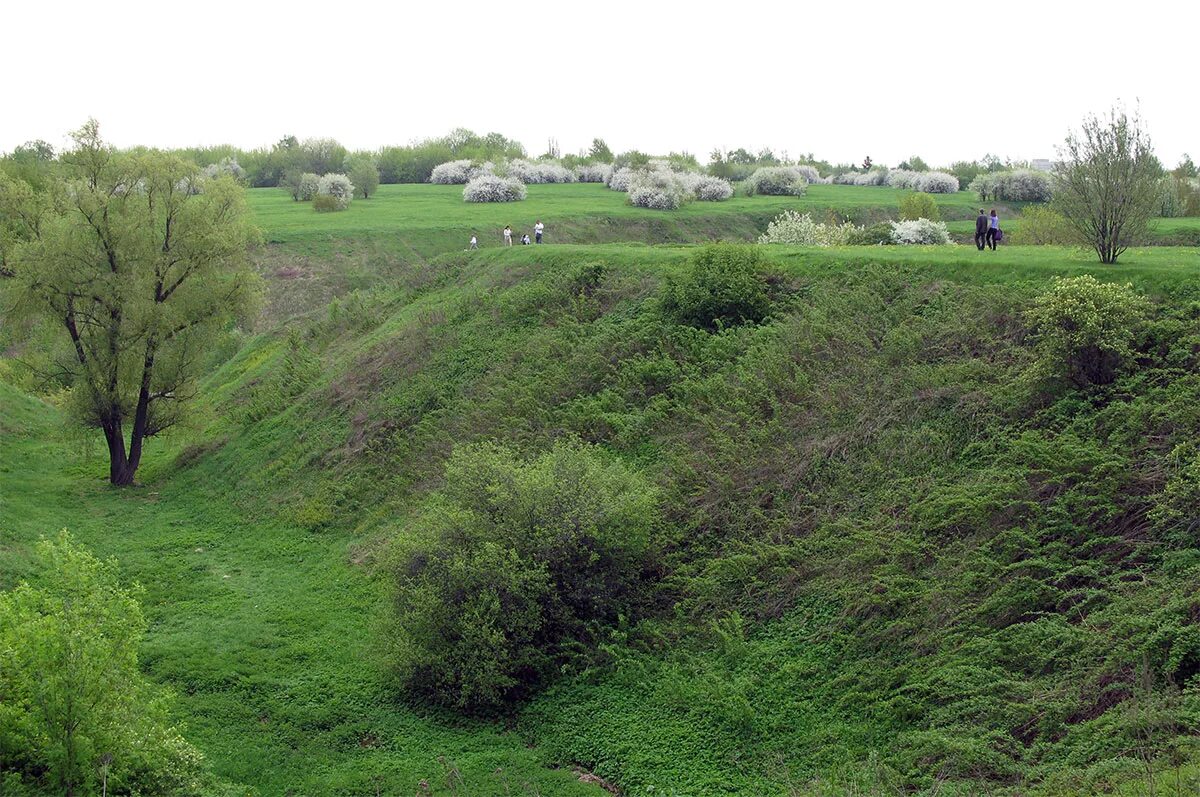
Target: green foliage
364	174
1086	328
919	206
725	286
140	272
327	203
516	571
1107	183
71	694
1042	226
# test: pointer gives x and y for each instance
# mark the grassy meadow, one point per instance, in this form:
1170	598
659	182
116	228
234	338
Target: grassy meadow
896	562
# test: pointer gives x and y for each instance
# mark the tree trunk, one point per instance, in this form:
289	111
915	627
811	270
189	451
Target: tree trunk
120	469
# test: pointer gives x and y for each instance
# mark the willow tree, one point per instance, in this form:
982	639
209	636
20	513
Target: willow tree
140	261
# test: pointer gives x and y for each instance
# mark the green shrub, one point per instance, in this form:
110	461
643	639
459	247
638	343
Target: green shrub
918	206
1085	328
326	203
725	287
515	570
1041	226
71	692
871	235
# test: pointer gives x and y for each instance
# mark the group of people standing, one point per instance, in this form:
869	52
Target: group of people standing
987	230
538	230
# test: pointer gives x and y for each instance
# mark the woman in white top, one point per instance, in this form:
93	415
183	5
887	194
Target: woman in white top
507	235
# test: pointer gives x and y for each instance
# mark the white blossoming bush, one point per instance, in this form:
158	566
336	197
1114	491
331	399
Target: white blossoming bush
1025	185
337	186
191	185
919	231
793	227
228	167
901	178
710	189
935	183
593	172
459	172
809	173
777	181
539	172
310	184
658	190
621	178
493	188
874	177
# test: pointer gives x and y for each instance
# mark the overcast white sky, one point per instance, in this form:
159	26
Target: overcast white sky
841	79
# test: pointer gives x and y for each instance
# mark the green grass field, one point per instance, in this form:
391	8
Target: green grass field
838	602
432	219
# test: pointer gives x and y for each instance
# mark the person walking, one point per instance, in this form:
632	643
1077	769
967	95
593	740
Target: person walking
981	228
537	231
507	235
993	233
474	242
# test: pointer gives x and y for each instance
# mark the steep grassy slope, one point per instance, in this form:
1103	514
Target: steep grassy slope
895	558
263	630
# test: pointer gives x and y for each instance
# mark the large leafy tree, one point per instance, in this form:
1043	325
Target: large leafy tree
1108	182
140	261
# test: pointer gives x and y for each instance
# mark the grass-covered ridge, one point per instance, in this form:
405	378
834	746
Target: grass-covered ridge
894	553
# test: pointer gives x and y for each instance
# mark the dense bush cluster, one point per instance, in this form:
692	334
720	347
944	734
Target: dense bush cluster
226	167
658	189
799	229
919	206
1018	185
493	188
459	172
338	187
920	231
778	181
517	570
76	713
1086	329
925	182
726	285
710	189
538	172
872	177
306	186
593	172
620	179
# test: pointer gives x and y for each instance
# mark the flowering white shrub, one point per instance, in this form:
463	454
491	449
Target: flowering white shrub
310	184
191	185
1019	185
459	172
873	177
593	172
228	167
710	189
935	183
793	227
539	172
658	189
809	173
901	178
337	186
1025	185
777	181
621	178
920	231
493	188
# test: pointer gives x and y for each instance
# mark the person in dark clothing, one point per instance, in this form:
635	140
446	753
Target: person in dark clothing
993	232
981	227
